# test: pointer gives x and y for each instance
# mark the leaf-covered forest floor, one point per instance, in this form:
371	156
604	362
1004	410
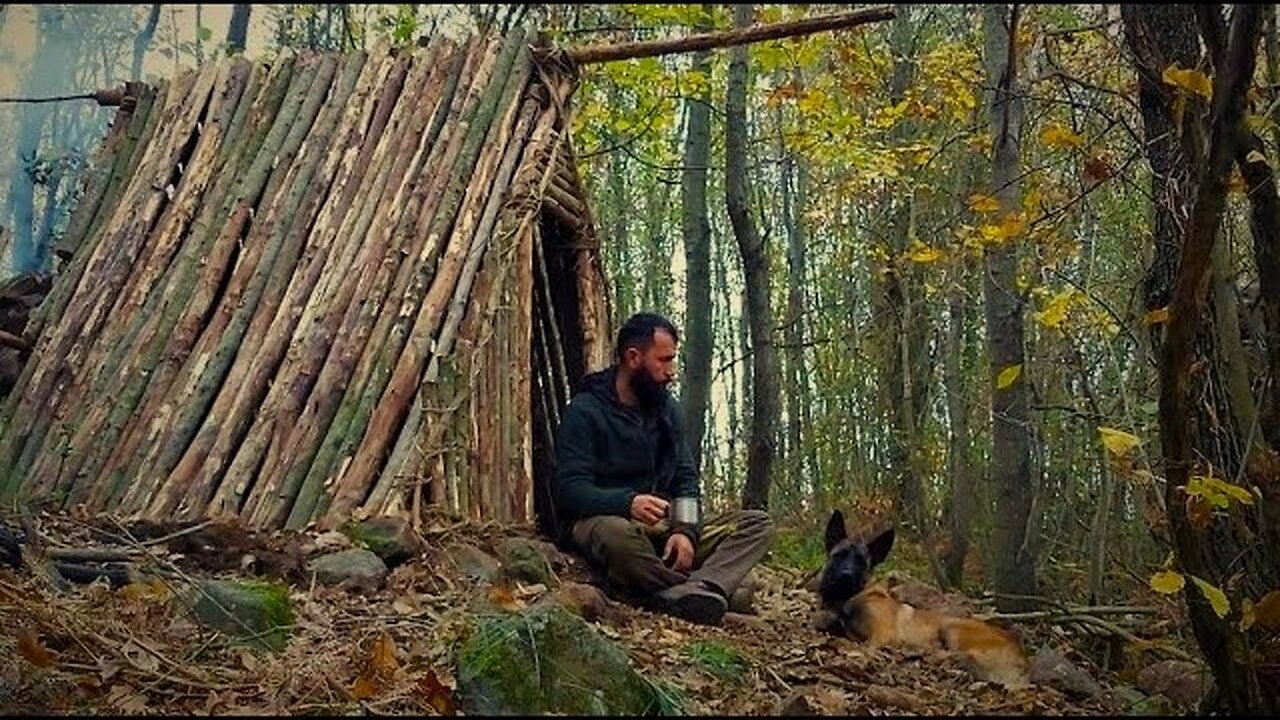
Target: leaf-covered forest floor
135	649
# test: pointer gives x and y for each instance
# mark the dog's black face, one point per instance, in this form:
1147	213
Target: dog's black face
849	562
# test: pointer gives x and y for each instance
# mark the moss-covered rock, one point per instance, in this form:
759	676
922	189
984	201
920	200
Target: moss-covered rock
390	538
257	612
546	660
523	561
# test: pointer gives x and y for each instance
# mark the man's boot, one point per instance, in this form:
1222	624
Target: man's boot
694	601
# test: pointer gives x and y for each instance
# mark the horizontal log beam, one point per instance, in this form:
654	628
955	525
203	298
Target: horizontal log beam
729	38
13	341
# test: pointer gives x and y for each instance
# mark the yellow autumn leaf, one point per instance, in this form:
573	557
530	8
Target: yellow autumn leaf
1247	615
1059	135
1007	376
1118	442
1217	599
1159	315
1013	224
1217	492
1055	310
1255	157
983	204
1188	79
924	255
1167	582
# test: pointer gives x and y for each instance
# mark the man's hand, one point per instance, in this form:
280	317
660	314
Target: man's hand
648	509
682	547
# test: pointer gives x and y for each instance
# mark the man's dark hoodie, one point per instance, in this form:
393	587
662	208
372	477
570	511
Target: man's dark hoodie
607	453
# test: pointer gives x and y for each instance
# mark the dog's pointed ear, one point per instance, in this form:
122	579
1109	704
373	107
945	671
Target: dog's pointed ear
880	546
836	530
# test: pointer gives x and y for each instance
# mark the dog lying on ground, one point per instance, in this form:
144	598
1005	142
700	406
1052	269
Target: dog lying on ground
853	609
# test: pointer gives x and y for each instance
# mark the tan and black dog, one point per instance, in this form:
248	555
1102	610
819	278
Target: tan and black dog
852	608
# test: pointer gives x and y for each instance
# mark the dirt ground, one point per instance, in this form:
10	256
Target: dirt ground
134	649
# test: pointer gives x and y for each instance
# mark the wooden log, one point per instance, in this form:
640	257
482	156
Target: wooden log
13	341
520	461
48	458
95	184
729	38
352	487
575	208
36	382
331	346
208	260
222	400
295	452
285	376
553	343
87	219
233	245
107	272
136	299
482	498
285	86
270	260
333	440
409	430
571	221
107	414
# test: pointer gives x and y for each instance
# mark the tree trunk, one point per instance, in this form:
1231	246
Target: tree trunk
959	471
1011	451
1213	549
238	29
143	40
755	270
696	230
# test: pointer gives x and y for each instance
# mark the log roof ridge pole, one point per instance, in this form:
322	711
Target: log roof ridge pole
729	38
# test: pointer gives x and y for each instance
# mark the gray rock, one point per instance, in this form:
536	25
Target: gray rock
1052	668
260	613
578	671
473	561
354	569
390	538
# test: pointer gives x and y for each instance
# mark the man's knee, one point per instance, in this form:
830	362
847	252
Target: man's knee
610	536
756	522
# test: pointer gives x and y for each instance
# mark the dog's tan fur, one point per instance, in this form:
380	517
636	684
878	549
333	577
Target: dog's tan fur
881	620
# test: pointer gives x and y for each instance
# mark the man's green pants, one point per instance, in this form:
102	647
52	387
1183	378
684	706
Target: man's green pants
631	553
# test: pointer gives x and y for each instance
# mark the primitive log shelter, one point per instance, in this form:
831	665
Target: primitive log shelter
326	287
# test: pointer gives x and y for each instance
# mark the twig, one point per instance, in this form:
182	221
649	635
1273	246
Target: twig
1101	610
177	534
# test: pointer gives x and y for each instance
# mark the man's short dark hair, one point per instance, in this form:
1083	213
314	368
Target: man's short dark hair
638	332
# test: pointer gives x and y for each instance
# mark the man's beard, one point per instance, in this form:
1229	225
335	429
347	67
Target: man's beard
650	393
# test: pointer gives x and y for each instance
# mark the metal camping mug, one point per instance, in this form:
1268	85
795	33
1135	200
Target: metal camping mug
684	511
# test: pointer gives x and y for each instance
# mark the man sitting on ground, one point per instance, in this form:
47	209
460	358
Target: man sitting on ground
622	464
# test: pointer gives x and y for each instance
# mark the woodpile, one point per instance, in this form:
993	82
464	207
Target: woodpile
332	286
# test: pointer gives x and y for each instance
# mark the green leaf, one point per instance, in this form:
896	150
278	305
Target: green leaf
1167	582
1217	599
204	33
